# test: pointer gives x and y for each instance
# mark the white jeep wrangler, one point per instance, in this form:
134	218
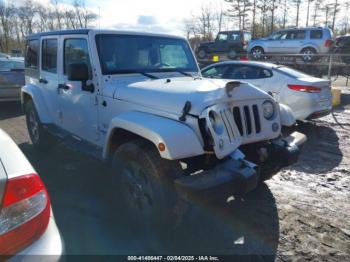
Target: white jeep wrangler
138	100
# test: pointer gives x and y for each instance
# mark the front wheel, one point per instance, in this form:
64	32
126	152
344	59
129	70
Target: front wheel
257	53
40	138
145	182
202	53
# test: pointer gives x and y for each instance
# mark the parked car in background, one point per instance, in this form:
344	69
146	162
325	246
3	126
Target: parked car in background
307	96
11	78
231	43
27	225
16	53
3	55
342	45
308	42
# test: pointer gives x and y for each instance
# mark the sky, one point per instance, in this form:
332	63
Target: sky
165	16
162	16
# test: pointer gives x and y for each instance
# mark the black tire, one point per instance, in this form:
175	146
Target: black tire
308	54
202	54
257	53
40	138
232	54
145	182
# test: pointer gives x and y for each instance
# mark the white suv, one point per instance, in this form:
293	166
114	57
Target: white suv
138	100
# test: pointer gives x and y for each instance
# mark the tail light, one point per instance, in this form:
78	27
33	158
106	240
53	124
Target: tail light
243	58
24	214
328	43
303	88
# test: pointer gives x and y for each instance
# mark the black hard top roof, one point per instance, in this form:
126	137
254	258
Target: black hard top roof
60	32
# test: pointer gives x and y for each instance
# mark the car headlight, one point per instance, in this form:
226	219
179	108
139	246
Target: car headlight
268	109
216	122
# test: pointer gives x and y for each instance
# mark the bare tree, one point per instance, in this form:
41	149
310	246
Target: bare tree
308	12
297	4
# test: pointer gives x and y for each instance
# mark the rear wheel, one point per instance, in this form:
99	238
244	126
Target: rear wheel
40	138
257	53
308	54
232	54
145	182
202	53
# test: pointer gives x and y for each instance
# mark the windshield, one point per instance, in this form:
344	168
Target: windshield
136	54
292	72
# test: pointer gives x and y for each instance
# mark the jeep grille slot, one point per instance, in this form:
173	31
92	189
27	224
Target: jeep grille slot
238	119
247	119
256	119
227	124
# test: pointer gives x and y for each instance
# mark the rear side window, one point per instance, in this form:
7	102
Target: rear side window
215	72
316	34
49	55
248	72
296	34
32	54
75	51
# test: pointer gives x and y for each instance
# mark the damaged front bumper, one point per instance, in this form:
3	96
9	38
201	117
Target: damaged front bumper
239	174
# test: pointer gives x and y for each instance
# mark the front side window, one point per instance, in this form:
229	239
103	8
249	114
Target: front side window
279	35
222	37
49	55
32	54
215	72
75	51
122	54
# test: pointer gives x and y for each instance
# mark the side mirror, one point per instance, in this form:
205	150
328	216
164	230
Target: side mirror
80	72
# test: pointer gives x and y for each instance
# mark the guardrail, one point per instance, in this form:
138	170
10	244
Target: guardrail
330	65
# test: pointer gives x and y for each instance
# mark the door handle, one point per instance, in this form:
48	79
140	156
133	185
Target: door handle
43	80
63	86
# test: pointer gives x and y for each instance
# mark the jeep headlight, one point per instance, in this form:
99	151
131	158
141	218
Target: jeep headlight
268	109
216	122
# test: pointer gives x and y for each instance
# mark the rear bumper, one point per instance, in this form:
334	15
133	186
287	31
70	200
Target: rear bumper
239	176
49	247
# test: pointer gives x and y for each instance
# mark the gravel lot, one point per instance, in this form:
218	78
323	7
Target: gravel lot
301	214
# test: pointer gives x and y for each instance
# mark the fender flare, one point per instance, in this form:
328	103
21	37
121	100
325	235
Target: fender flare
286	115
179	139
38	101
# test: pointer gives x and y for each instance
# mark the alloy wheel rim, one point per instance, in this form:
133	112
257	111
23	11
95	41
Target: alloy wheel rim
138	190
257	53
34	126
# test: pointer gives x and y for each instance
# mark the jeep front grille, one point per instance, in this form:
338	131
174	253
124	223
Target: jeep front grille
247	119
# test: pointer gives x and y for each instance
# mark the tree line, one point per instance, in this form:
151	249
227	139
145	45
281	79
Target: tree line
262	17
18	21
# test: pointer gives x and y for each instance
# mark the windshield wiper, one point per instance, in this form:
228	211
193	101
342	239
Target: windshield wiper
183	73
148	75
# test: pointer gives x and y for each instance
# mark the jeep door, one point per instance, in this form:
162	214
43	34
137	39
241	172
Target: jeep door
48	76
221	43
79	107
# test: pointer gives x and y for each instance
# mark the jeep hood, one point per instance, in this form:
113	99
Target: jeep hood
171	95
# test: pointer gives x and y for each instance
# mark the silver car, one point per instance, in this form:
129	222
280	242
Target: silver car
308	42
11	78
27	225
308	97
